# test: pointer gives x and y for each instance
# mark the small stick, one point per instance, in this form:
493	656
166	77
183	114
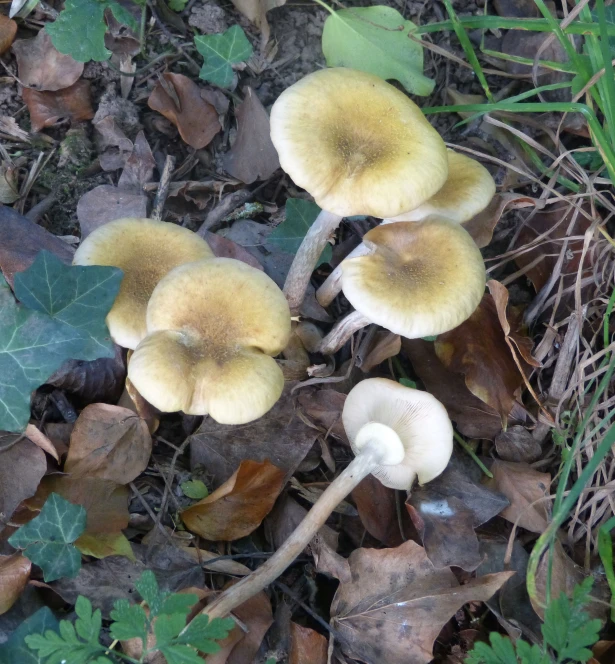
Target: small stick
163	189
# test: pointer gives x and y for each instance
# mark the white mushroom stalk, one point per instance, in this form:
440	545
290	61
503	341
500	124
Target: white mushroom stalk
397	434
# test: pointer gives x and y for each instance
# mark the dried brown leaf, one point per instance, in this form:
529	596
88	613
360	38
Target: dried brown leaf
517	444
14	575
384	345
106	203
238	507
256	12
41	440
108	442
42	67
376	505
9	184
397	603
112	143
48	108
307	646
196	120
324	409
225	248
139	167
8	30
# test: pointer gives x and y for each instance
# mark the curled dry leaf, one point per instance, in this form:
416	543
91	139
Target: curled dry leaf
225	248
47	108
384	345
256	12
112	143
8	30
238	507
108	442
517	444
131	398
139	167
252	156
324	409
14	575
179	99
9	183
397	603
41	440
307	646
42	67
106	203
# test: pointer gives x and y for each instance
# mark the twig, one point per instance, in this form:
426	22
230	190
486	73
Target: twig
38	210
224	208
163	189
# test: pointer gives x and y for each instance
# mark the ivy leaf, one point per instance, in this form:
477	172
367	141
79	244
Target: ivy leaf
48	539
80	28
376	40
16	650
194	489
220	52
288	235
36	342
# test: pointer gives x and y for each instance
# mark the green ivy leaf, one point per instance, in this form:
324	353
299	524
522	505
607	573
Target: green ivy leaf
194	489
375	40
220	52
48	539
16	650
288	235
79	30
66	321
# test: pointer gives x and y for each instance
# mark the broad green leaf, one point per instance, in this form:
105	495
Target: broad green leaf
47	539
33	344
220	52
194	489
376	40
16	650
80	28
300	215
178	603
168	627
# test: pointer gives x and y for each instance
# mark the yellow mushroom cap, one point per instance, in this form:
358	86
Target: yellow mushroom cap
420	279
418	419
213	329
357	144
467	191
146	250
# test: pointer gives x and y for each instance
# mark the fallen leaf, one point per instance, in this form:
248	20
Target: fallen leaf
21	240
256	12
102	545
220	52
252	156
225	248
42	67
22	466
108	442
41	440
377	509
384	345
307	646
35	619
9	185
324	408
112	143
196	120
279	436
132	399
14	575
448	509
236	508
517	444
48	108
397	603
8	30
139	166
106	203
10	130
523	485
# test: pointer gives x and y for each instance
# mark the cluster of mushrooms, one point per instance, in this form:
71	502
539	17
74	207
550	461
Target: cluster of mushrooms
203	331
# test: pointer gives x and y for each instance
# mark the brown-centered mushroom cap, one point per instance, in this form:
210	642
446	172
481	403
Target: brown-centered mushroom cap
213	327
420	279
145	250
357	144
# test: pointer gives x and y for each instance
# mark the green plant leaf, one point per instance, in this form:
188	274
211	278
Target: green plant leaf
178	603
194	489
16	650
408	382
34	344
178	5
168	627
288	235
130	621
48	539
180	654
79	30
220	52
376	40
202	633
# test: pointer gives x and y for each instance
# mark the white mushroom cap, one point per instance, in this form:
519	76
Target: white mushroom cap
357	144
378	408
467	191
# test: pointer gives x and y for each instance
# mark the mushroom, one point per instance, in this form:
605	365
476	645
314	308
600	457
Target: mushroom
397	433
418	279
358	146
146	250
213	327
467	191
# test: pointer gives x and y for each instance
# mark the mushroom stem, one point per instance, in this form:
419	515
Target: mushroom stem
307	256
363	464
333	283
342	331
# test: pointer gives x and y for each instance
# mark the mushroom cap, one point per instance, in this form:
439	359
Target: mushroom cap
357	144
146	250
467	191
421	278
419	420
213	327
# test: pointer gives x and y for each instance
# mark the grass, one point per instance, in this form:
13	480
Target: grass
591	432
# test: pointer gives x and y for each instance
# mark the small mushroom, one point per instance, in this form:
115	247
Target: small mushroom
145	250
213	327
397	434
419	279
467	191
358	146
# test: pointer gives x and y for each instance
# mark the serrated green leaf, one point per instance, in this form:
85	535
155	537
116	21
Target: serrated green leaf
88	622
168	627
220	52
375	40
178	603
288	235
194	489
130	621
47	539
180	654
147	586
178	5
531	654
16	649
202	633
